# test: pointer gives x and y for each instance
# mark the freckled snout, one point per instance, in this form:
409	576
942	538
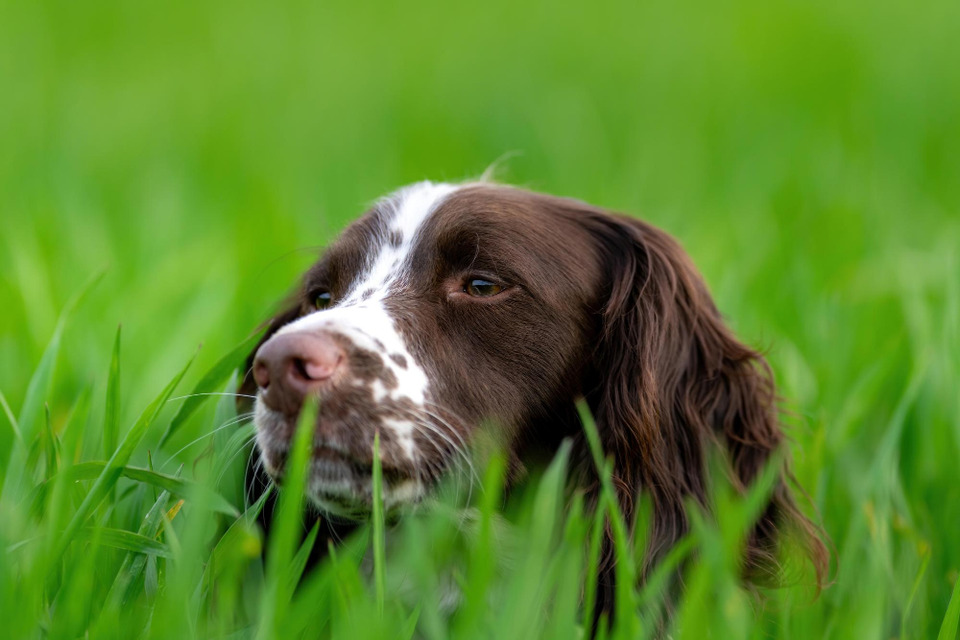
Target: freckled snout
290	366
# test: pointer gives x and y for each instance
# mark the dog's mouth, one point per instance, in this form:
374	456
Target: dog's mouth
339	481
340	485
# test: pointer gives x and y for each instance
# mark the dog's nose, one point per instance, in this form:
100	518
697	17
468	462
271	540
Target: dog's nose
290	366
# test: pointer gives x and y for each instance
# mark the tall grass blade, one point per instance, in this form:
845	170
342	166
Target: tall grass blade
948	628
287	524
212	381
126	540
39	385
917	581
114	467
111	412
299	562
37	391
379	546
173	484
625	569
11	420
133	564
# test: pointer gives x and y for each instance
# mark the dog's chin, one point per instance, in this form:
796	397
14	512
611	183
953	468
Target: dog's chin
339	482
340	487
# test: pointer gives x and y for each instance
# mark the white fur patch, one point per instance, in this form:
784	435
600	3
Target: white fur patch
411	207
364	319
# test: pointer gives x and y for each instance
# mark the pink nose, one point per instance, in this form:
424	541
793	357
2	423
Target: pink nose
290	366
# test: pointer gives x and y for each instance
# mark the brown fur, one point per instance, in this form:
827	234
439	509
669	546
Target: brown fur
601	307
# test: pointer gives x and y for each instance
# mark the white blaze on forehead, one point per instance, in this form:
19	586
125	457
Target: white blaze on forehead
362	316
405	212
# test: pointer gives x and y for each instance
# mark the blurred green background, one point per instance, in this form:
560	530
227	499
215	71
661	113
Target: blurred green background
806	154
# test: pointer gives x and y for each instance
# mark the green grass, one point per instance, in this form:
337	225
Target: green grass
172	167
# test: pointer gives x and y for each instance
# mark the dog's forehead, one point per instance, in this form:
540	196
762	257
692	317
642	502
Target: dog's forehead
525	237
431	228
401	219
424	215
496	213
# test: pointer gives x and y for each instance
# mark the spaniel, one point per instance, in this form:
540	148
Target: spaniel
447	311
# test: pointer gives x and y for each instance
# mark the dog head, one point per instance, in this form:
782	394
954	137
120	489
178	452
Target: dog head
446	310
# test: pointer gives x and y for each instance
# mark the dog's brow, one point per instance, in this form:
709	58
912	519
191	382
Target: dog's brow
406	213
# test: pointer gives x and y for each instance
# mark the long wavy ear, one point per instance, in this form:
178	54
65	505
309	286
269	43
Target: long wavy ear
248	387
669	381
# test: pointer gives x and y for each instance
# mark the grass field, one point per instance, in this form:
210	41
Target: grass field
171	168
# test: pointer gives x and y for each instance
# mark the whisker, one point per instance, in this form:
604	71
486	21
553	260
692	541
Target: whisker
429	423
250	475
229	462
221	393
433	469
229	423
428	470
461	449
453	431
472	479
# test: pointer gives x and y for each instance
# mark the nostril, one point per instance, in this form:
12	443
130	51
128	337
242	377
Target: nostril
298	368
261	374
295	364
314	370
322	369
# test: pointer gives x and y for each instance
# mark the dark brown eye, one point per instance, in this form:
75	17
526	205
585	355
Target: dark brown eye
322	300
480	288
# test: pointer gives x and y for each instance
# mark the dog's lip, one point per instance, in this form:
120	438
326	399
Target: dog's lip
272	403
332	454
331	451
322	449
328	449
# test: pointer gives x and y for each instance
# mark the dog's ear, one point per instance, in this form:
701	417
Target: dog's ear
669	381
248	387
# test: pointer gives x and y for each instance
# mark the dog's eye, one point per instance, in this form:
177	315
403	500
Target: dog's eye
322	300
480	288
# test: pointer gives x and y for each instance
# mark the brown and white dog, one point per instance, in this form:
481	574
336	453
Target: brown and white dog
447	307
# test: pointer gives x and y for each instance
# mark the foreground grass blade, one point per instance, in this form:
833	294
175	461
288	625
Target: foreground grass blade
113	469
12	419
133	565
245	520
123	539
176	486
528	599
924	550
483	558
593	566
37	391
238	545
948	630
212	381
625	568
409	627
40	381
299	562
379	545
287	524
111	412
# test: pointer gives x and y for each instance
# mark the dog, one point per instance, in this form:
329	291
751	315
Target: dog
449	310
